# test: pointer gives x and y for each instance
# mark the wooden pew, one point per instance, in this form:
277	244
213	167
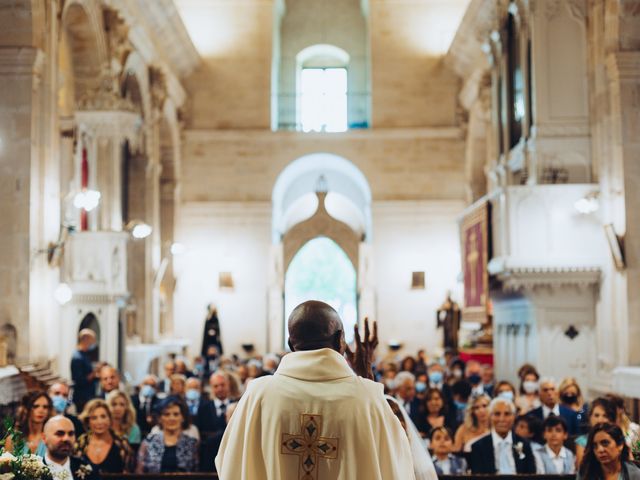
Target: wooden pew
213	476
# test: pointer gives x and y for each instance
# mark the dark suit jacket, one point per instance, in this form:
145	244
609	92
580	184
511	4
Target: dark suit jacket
211	428
571	417
76	463
143	412
482	457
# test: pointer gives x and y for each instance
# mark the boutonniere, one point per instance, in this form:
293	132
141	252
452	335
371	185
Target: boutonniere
519	447
83	472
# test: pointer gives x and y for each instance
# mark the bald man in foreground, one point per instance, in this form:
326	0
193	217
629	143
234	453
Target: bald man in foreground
315	418
60	437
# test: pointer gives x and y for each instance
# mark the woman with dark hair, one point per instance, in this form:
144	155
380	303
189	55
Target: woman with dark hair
408	364
169	450
435	412
34	411
529	398
606	456
106	450
601	411
630	429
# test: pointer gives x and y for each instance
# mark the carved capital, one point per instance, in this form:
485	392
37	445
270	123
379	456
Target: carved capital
157	87
109	124
104	95
523	279
117	35
623	66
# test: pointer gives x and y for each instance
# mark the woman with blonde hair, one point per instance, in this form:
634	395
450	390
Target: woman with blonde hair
106	450
476	423
123	417
571	397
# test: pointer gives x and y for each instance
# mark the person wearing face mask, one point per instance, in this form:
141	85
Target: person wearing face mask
145	403
505	390
473	374
193	396
59	393
571	397
551	406
460	392
528	399
456	369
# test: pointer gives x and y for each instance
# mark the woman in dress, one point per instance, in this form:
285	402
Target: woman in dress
34	411
169	450
105	449
123	417
602	411
475	425
606	456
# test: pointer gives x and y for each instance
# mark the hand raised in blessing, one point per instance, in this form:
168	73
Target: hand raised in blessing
361	359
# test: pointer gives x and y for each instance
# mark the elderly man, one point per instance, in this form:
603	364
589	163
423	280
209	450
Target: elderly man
109	379
59	437
501	451
314	418
550	406
406	396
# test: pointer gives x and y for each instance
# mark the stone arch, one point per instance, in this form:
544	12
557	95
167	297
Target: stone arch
82	27
134	83
299	179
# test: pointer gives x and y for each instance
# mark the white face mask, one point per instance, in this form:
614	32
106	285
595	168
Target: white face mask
530	387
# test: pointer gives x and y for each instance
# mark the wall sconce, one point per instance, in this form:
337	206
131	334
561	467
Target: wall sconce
63	294
587	204
395	345
417	281
86	199
138	229
225	281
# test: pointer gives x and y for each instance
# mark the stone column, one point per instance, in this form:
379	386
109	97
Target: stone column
19	114
624	76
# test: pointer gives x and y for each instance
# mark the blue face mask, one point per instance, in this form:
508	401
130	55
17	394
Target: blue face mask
59	403
507	394
192	395
435	377
147	391
421	387
199	368
460	405
475	379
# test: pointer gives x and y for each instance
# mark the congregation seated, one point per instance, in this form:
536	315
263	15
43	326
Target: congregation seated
529	398
405	394
177	384
444	461
530	428
553	457
475	425
550	405
33	412
435	412
607	455
109	380
59	393
145	402
630	430
107	451
163	385
571	397
169	449
123	417
501	451
59	437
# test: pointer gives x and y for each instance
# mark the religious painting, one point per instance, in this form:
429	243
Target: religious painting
474	231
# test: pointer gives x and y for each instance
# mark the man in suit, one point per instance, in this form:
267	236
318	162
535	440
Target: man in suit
406	396
549	398
60	436
145	403
59	393
501	451
212	420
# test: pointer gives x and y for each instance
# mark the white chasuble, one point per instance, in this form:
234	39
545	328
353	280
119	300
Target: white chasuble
314	420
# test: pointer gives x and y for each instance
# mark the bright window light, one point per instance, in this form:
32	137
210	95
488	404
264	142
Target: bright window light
142	230
87	199
323	101
63	294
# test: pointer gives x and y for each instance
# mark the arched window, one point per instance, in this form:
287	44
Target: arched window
321	270
322	81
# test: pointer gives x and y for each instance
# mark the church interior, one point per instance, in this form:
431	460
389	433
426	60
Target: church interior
464	172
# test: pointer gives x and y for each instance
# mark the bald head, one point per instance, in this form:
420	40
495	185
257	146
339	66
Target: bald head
314	325
59	436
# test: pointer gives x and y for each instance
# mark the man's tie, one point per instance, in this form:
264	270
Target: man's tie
504	454
223	409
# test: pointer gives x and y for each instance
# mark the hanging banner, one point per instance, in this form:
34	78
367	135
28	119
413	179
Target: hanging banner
475	238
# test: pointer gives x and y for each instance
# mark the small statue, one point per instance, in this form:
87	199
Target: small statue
448	316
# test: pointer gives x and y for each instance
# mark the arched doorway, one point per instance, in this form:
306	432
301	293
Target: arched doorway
321	270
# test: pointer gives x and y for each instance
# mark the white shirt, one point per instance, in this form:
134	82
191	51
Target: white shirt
497	442
218	403
59	472
546	410
406	404
558	460
444	465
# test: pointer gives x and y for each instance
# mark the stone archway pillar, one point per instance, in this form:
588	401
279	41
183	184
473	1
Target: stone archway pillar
275	299
366	284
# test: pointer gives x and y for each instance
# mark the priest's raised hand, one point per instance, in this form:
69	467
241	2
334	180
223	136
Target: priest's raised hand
361	359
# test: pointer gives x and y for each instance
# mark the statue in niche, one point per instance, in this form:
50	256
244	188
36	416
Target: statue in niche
211	336
448	317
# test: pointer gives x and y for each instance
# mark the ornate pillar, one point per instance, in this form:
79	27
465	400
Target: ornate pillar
20	111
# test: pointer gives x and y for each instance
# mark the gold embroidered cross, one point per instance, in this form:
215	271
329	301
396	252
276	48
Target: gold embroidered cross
309	446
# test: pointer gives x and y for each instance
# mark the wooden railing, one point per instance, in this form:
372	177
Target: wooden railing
213	476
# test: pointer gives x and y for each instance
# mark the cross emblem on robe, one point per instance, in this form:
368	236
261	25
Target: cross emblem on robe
309	446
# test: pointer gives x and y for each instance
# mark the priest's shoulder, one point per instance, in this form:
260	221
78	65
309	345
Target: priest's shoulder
374	388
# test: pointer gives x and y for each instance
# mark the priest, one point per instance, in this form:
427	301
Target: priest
315	418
